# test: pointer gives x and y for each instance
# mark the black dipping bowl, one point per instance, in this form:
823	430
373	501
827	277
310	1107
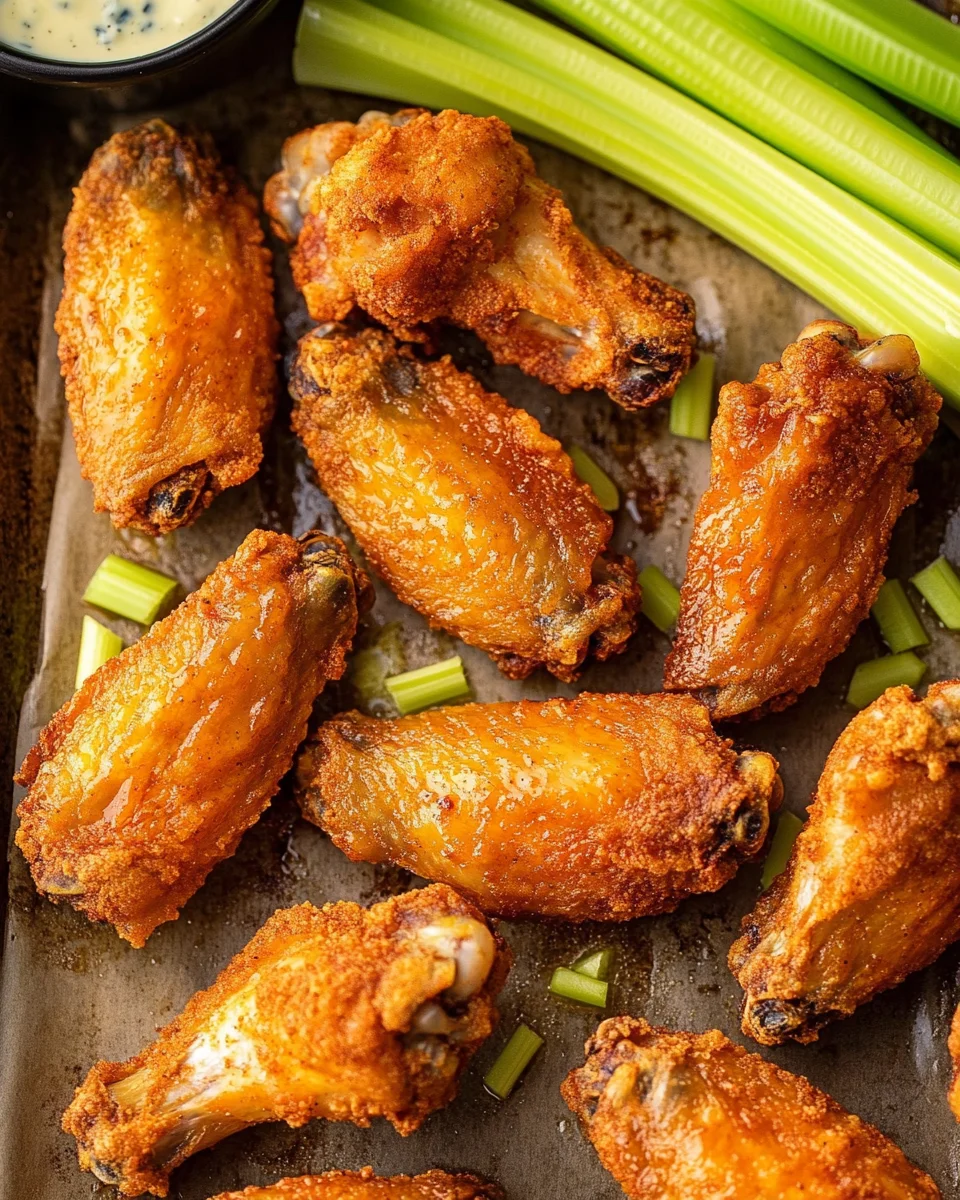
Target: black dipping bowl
208	57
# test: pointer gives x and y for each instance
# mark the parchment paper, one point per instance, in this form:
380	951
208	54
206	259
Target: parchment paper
71	992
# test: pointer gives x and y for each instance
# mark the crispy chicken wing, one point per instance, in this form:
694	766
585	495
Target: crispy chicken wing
685	1116
343	1013
417	218
472	514
953	1044
149	775
636	803
872	888
811	468
364	1185
167	331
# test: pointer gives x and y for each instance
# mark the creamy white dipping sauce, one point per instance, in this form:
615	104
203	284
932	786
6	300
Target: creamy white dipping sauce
99	31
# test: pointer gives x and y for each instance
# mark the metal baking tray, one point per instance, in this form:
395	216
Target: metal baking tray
72	992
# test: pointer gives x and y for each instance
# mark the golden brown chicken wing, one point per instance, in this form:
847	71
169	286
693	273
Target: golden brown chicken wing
167	331
343	1013
685	1116
953	1044
635	801
472	515
364	1185
417	218
872	888
811	468
149	775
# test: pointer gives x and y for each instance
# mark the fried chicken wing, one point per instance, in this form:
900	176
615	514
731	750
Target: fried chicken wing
636	802
872	889
149	775
811	468
343	1013
685	1116
466	508
364	1185
953	1044
167	330
417	218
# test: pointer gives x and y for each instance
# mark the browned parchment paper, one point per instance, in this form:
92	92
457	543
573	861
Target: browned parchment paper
71	992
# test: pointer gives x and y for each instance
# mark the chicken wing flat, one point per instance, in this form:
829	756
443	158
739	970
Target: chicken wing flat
167	331
364	1185
150	774
639	804
811	468
467	509
342	1012
417	218
686	1116
872	889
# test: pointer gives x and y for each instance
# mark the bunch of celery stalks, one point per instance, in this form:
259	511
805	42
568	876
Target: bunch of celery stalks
739	114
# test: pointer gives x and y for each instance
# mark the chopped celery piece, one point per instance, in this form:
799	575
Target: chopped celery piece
691	407
899	624
513	1060
573	985
596	965
939	585
659	599
897	44
788	826
871	679
741	67
596	479
97	644
429	685
128	589
485	56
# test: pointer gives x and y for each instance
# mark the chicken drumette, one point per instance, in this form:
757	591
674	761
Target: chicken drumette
150	774
417	218
811	468
872	888
167	330
364	1185
635	801
343	1013
466	508
684	1116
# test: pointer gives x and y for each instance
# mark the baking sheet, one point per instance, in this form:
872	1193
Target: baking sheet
71	992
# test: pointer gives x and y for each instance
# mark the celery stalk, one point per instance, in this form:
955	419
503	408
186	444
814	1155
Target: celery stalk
864	266
721	55
596	479
434	684
97	645
898	44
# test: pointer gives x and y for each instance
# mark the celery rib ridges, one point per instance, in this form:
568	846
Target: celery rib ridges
727	59
552	85
898	44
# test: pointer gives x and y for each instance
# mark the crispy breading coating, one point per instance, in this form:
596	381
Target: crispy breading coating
343	1013
152	771
417	218
811	468
364	1185
953	1044
685	1116
167	330
872	889
602	808
467	509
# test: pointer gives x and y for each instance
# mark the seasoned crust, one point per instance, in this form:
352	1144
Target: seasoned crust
684	1116
364	1185
167	329
471	514
645	804
871	892
811	469
313	1019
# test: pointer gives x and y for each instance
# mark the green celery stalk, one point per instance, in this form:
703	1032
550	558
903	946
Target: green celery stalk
595	965
129	589
939	585
897	44
574	985
553	85
595	478
97	645
434	684
659	599
871	679
781	846
716	52
899	624
691	405
512	1061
